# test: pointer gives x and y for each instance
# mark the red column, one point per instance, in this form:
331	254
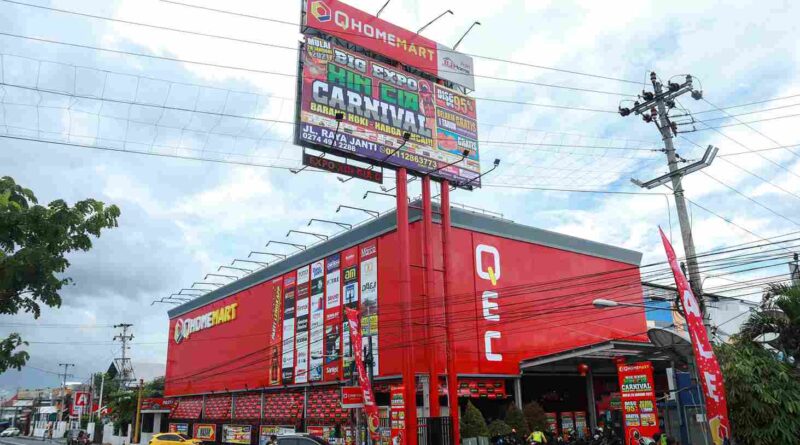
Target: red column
452	376
409	378
430	296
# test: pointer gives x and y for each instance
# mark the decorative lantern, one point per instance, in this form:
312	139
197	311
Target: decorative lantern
583	369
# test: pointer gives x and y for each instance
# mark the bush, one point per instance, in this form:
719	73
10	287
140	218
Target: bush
473	423
535	416
499	428
516	420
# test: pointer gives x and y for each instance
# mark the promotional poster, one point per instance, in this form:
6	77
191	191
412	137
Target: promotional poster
205	431
350	300
638	401
380	104
238	434
317	339
332	362
180	428
276	332
287	361
302	325
397	413
369	298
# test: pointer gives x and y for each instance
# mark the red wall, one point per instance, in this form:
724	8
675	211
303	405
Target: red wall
541	308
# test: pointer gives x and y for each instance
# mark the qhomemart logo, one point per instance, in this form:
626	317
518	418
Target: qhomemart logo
320	11
188	326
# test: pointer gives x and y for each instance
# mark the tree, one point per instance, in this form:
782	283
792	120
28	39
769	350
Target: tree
516	420
763	394
472	423
779	314
34	240
535	416
499	428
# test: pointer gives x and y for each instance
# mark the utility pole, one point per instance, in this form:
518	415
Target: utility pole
655	108
125	367
794	270
64	388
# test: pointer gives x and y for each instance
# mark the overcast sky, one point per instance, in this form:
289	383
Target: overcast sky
183	218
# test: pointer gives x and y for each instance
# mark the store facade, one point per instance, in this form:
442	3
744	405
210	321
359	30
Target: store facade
270	352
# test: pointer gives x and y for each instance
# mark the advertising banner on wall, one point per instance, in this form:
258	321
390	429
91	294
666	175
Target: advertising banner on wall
289	310
380	104
397	414
349	300
317	339
370	408
267	431
369	297
377	35
181	428
638	399
333	319
302	325
205	431
276	332
707	365
238	434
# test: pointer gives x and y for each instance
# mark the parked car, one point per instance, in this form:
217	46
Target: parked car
173	439
301	439
9	432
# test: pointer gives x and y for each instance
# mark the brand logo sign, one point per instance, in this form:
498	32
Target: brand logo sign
489	271
320	11
187	326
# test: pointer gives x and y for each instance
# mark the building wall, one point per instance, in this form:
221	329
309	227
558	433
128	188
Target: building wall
528	305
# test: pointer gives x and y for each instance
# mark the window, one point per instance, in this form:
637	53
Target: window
304	441
171	438
289	441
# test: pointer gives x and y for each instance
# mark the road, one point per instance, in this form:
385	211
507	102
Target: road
29	441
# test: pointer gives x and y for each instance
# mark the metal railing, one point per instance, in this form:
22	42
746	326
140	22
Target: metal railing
434	431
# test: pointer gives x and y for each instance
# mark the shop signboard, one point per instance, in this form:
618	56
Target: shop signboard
180	428
397	414
707	365
205	431
80	403
238	434
287	357
352	397
332	362
381	105
341	168
370	32
302	325
369	298
638	399
317	336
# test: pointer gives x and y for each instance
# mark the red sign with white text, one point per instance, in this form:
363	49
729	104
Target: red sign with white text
397	413
370	409
707	365
352	397
409	48
80	403
638	399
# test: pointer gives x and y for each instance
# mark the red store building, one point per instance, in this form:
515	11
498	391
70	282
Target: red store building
270	349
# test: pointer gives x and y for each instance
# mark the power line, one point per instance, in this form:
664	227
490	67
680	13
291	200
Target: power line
756	202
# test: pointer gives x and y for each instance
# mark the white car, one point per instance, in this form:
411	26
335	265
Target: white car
8	432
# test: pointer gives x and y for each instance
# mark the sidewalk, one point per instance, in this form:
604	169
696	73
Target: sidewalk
32	439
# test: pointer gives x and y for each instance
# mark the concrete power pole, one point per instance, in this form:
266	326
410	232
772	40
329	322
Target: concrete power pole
64	388
655	108
125	368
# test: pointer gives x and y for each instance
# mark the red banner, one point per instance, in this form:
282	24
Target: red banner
370	409
398	409
707	365
638	401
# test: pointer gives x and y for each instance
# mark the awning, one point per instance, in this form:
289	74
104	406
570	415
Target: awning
247	406
325	408
283	408
187	408
600	354
217	407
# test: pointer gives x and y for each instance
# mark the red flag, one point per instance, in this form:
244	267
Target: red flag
707	365
370	409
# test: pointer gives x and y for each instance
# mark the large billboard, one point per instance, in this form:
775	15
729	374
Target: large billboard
377	35
380	104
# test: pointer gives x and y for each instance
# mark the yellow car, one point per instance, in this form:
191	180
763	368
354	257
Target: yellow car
173	439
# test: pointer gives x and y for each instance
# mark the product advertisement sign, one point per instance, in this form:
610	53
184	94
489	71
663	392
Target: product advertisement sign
205	431
638	401
317	339
301	336
350	294
707	365
287	360
181	428
375	34
369	298
551	420
238	434
333	319
266	431
380	104
276	332
397	414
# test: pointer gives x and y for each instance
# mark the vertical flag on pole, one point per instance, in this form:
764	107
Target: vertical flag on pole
370	409
707	365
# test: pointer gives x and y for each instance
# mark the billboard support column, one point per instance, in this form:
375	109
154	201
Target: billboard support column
430	293
409	380
452	376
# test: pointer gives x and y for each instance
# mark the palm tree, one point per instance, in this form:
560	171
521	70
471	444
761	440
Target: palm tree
777	322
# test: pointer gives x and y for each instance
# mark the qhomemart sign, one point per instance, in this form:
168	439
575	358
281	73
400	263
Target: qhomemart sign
187	326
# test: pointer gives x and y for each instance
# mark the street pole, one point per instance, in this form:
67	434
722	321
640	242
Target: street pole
64	389
138	412
430	291
452	376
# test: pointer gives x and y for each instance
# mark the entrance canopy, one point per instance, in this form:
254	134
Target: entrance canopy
599	356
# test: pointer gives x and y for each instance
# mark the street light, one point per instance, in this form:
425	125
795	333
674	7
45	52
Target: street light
371	213
340	224
602	303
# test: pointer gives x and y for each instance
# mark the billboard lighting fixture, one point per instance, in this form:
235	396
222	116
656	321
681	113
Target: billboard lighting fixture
182	297
317	235
232	277
467	184
406	137
193	290
163	302
464	155
204	283
382	8
412	179
278	255
260	263
371	213
437	18
340	224
378	193
235	268
465	34
296	246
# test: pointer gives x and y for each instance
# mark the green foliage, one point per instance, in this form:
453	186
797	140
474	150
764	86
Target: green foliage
472	423
34	240
763	394
499	428
535	416
779	314
516	420
122	401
